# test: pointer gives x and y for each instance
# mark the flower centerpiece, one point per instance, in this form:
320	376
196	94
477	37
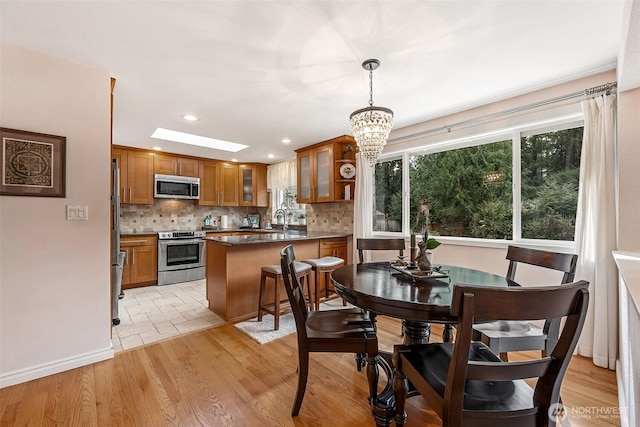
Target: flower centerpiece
424	256
427	244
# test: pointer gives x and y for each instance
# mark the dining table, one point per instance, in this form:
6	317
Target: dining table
417	298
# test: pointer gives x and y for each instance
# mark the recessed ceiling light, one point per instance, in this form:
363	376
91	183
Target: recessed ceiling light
190	117
286	141
271	156
201	141
157	148
234	160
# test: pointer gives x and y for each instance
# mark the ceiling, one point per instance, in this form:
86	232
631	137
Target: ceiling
255	72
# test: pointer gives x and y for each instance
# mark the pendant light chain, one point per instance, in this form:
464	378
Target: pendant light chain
370	87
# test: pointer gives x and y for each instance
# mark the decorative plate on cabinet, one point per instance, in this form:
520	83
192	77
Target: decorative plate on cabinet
347	171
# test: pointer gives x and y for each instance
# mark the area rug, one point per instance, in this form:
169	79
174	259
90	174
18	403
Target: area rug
263	332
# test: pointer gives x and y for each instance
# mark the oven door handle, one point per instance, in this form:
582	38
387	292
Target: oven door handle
180	241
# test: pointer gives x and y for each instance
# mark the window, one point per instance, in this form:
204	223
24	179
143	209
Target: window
387	205
464	192
285	201
550	167
523	187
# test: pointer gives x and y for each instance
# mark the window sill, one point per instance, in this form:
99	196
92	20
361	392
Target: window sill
549	245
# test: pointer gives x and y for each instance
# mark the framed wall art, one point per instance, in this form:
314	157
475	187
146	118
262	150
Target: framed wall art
32	164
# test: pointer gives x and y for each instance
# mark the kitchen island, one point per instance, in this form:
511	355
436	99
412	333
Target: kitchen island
234	262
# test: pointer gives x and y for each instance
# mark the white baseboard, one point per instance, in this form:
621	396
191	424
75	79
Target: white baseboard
54	367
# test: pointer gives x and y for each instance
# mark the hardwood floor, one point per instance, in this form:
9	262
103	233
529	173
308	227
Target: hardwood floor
221	377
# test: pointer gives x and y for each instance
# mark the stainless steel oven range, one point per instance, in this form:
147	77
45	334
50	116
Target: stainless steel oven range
181	256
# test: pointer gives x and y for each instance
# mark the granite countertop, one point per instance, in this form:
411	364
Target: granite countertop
265	237
206	229
237	230
276	229
138	233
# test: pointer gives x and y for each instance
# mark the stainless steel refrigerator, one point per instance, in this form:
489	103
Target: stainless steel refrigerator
117	256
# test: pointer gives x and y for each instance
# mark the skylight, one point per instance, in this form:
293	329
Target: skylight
201	141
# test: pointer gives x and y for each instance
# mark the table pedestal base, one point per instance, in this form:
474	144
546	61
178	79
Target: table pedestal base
415	332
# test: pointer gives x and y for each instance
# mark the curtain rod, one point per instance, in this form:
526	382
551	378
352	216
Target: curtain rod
606	88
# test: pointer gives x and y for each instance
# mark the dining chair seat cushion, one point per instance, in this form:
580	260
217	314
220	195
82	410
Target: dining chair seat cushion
504	336
276	269
325	262
509	326
343	324
432	362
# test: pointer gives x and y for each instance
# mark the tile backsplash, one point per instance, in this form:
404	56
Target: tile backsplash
330	217
183	215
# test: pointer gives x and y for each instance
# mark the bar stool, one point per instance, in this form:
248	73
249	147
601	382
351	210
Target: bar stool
275	272
325	266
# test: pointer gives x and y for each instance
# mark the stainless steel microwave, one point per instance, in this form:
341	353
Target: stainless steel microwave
176	187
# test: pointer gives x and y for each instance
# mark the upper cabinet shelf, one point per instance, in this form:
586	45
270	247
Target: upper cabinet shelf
319	176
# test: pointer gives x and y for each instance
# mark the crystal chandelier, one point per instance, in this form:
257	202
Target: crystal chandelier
371	125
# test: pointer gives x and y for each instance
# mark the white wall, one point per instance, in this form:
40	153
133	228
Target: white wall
628	176
55	274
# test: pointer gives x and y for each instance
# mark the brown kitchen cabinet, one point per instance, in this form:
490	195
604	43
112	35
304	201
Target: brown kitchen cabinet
221	183
336	247
319	165
252	181
208	171
141	262
136	176
175	165
228	184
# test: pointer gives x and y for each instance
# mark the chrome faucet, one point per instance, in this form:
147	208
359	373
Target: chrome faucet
284	213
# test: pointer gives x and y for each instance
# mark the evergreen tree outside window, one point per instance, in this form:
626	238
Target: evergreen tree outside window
471	191
467	191
387	205
550	167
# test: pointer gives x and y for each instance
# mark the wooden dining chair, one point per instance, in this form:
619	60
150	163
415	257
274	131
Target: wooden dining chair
378	244
335	331
502	336
467	384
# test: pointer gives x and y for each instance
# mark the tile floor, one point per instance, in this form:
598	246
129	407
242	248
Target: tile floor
155	313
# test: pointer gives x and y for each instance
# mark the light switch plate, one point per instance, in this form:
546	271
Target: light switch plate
71	213
77	213
82	213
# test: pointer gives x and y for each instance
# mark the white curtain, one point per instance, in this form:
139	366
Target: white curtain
363	202
282	175
596	230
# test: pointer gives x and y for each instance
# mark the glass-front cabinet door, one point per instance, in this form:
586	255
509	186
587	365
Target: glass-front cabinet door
247	183
315	174
247	186
324	174
305	173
